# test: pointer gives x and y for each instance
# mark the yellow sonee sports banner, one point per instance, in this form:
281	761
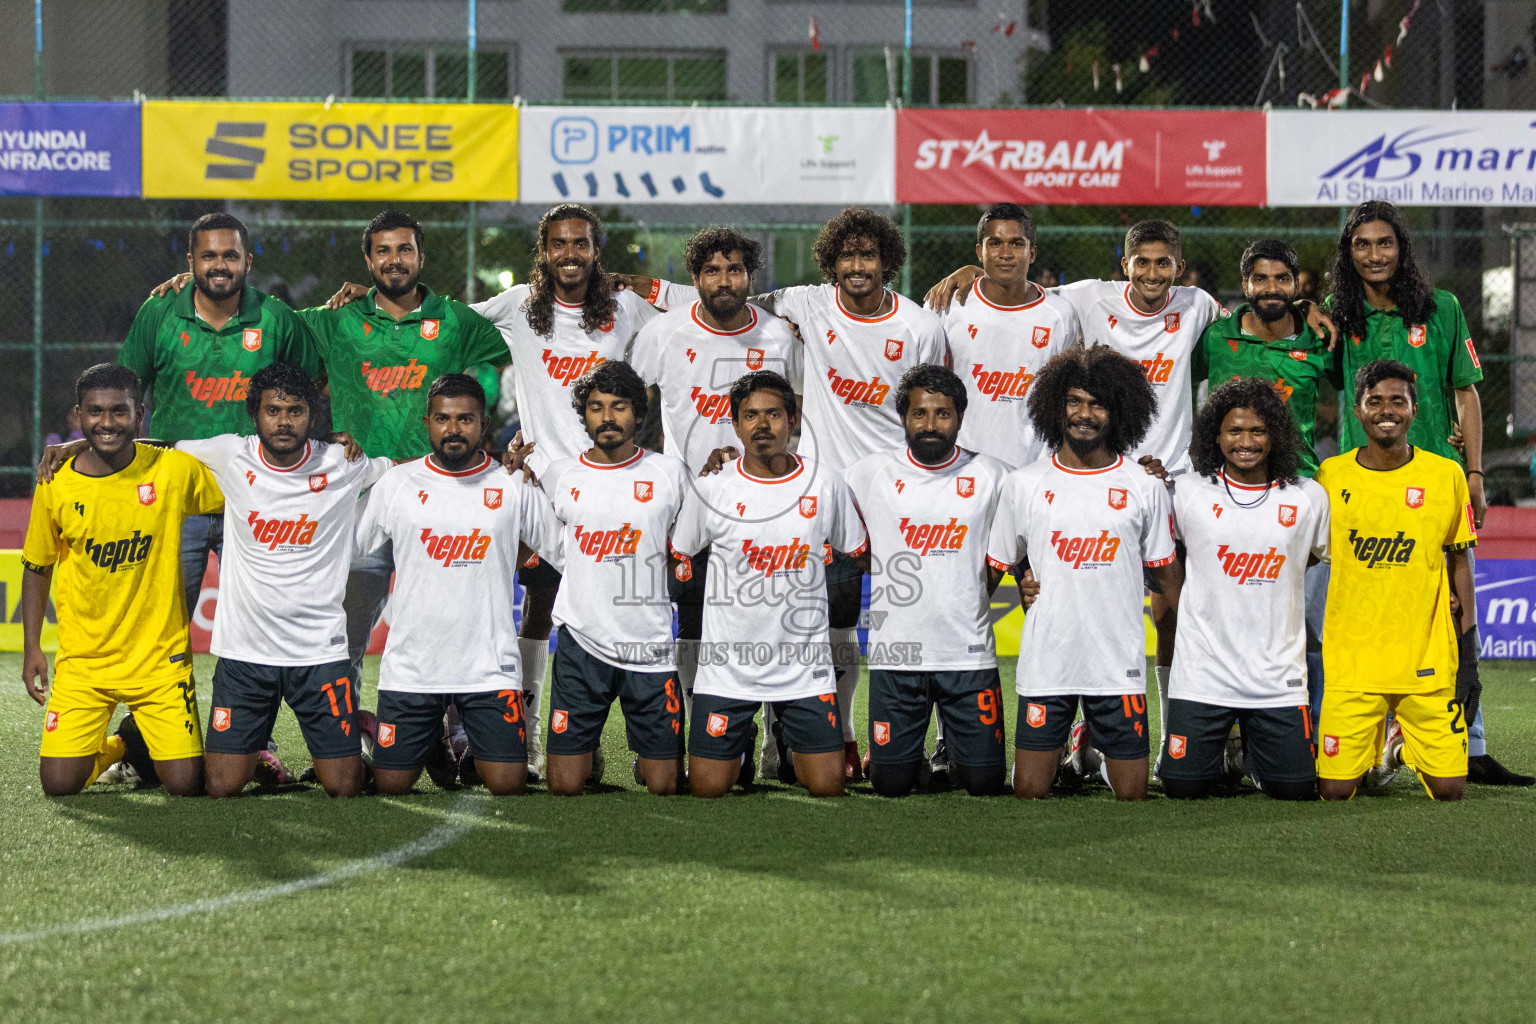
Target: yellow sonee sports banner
396	151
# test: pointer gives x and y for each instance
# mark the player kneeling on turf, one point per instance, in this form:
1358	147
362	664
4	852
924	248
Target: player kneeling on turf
772	521
1401	526
616	504
110	523
1089	521
280	631
461	525
929	509
1250	526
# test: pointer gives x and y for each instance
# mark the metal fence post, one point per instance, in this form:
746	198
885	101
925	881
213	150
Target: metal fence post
37	259
469	214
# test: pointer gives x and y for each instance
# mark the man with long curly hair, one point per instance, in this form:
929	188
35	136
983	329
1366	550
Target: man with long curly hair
567	319
1090	522
1250	525
1385	308
860	337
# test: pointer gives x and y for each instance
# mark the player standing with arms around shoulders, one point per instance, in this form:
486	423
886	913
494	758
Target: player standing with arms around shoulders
109	526
1002	338
929	509
1090	522
567	319
860	337
461	526
280	630
1250	525
694	353
1402	524
615	505
772	521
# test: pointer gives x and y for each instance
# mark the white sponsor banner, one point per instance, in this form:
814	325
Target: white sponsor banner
1411	158
704	155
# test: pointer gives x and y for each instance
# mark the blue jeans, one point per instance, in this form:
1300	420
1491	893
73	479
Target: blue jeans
199	535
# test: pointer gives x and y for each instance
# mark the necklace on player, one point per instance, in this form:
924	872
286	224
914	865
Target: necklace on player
1234	498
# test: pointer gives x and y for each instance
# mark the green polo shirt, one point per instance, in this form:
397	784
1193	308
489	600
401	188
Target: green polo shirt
1297	367
1440	353
380	368
196	375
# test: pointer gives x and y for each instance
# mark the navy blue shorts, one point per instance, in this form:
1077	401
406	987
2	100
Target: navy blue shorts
246	697
410	725
1117	725
722	725
582	690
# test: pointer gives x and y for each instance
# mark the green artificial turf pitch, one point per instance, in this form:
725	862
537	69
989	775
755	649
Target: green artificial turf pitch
618	906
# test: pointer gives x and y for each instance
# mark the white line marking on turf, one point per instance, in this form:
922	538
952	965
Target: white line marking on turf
443	835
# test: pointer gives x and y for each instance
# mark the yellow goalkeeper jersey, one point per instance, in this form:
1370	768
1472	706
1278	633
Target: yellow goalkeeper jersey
1388	627
115	542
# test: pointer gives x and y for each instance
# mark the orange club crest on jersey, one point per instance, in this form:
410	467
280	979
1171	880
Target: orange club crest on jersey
493	497
51	722
1287	515
643	490
429	329
1415	497
893	349
1035	715
221	719
386	735
754	359
250	339
1041	337
882	732
1171	323
559	720
965	486
1176	746
317	482
1417	335
1117	498
808	506
1331	746
146	494
716	725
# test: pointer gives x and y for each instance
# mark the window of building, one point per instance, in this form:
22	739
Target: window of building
936	78
643	6
644	76
801	76
427	73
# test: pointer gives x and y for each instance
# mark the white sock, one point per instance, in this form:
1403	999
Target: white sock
845	666
1104	772
768	747
1161	671
535	658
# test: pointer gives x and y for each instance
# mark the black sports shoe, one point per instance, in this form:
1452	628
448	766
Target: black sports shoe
748	772
786	759
1483	770
468	775
136	752
938	764
441	765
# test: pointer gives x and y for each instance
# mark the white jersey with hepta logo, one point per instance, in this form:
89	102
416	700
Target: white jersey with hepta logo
456	537
287	549
1242	626
1162	342
695	365
765	632
1088	535
929	609
614	523
997	352
545	368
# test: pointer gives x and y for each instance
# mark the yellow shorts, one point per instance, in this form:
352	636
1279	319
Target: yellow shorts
75	722
1352	728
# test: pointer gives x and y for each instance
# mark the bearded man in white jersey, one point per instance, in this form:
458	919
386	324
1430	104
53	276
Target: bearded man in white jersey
615	505
693	354
460	525
567	319
1251	526
928	508
1090	522
280	628
860	337
771	521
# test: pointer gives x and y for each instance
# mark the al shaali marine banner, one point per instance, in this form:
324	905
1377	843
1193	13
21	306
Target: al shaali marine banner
705	155
399	151
1407	157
